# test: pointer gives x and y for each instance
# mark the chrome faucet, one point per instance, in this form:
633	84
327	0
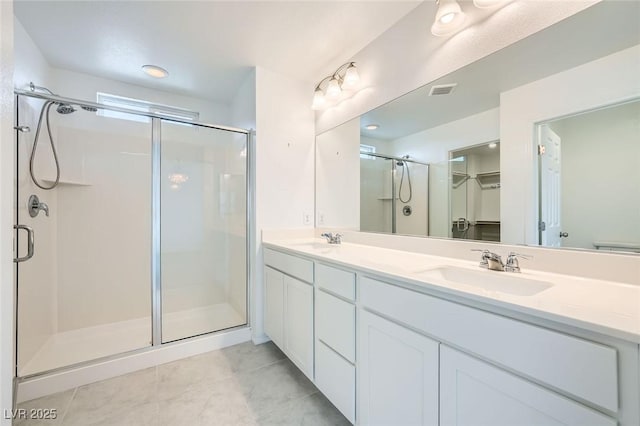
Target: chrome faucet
494	261
35	206
332	239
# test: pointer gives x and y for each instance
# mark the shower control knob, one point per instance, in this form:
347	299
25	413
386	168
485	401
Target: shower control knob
564	234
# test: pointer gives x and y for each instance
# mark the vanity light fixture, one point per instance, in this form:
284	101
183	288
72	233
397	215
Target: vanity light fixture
449	18
331	87
371	126
155	71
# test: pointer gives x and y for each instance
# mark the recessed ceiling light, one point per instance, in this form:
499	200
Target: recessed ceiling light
492	145
155	71
371	126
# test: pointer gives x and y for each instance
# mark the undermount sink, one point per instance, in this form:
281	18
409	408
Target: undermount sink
503	282
314	246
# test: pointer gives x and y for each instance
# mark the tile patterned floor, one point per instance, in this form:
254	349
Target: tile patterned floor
239	385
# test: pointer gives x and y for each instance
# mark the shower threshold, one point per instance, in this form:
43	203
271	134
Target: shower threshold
85	344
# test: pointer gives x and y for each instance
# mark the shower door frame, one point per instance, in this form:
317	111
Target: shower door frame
156	275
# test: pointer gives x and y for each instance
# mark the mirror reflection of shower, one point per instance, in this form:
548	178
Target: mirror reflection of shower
405	166
61	108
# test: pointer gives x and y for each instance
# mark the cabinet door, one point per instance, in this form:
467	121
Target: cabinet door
274	306
397	374
477	393
298	324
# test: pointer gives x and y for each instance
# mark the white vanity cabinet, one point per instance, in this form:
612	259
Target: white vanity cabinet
473	392
385	352
335	313
289	307
398	374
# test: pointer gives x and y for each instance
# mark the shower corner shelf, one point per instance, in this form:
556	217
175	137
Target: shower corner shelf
69	182
488	180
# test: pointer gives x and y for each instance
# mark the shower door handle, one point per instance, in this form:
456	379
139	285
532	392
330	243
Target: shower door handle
30	243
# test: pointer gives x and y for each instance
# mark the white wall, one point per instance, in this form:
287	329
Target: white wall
408	56
607	80
284	165
338	177
6	209
600	168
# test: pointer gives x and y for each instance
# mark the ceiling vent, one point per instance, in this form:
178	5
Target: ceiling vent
443	89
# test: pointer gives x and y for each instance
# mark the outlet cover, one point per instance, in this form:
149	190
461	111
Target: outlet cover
306	218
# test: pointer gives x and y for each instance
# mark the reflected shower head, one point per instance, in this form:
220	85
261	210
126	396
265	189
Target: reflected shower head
89	108
65	109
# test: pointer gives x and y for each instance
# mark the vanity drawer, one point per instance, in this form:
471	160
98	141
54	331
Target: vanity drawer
290	265
336	378
336	324
334	280
579	367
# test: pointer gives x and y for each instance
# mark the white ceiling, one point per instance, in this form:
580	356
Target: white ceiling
208	47
602	29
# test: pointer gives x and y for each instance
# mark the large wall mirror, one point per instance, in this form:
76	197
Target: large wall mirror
538	143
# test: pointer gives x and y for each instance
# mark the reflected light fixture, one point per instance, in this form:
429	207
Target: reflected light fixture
449	18
155	71
332	87
492	145
371	126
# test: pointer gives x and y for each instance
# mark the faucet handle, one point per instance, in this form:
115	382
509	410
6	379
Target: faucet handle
338	238
486	254
512	261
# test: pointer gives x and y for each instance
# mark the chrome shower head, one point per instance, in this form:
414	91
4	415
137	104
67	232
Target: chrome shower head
65	109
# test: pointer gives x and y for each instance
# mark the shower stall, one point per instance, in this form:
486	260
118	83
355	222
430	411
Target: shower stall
394	194
132	230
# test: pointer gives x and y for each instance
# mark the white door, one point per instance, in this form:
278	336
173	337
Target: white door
473	392
274	306
397	381
550	187
298	324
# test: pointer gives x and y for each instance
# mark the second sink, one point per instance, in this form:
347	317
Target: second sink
502	282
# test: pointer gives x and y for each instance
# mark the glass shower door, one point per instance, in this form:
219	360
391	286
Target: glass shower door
84	294
203	193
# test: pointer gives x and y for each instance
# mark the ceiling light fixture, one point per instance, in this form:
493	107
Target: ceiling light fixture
332	87
371	126
155	71
449	18
492	145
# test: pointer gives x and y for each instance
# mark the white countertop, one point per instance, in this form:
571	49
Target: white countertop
604	307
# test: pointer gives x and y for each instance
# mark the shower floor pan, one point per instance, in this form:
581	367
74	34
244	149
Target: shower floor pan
86	344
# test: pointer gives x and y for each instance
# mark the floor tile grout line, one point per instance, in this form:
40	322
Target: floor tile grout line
66	409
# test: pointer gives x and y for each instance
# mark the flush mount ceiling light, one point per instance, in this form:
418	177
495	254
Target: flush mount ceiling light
371	126
331	87
155	71
449	18
492	145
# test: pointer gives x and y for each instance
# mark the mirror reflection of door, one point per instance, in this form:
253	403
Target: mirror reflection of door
550	188
589	194
474	192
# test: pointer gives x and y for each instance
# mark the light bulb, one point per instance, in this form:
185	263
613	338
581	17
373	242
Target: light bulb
318	100
333	89
445	19
449	18
351	77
